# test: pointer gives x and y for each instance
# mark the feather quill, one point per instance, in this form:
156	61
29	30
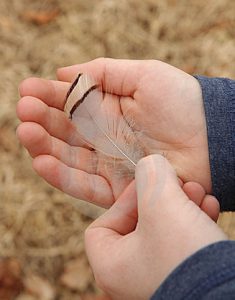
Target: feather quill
100	122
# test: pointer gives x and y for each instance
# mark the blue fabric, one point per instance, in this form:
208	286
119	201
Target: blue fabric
208	274
219	103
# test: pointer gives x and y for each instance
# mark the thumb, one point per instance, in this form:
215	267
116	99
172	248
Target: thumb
157	186
119	220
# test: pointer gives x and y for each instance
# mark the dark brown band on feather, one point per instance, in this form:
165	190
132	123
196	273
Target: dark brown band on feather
73	86
82	99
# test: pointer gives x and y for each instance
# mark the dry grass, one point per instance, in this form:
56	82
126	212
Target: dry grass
40	226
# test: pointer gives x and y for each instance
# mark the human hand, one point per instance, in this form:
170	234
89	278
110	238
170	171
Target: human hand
143	237
160	100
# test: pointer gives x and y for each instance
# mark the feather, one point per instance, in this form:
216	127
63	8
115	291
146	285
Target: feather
100	121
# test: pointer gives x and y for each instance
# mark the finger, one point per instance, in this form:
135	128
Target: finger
55	122
210	205
118	221
118	76
122	216
38	142
157	186
195	192
77	183
51	92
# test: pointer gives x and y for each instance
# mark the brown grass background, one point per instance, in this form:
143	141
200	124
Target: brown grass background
41	229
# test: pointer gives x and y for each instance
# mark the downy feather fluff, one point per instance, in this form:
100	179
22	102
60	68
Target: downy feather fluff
100	122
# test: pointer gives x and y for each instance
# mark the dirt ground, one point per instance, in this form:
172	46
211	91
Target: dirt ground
41	229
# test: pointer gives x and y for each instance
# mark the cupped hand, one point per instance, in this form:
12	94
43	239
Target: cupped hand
152	227
164	103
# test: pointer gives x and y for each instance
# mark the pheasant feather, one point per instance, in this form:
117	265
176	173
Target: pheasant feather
99	120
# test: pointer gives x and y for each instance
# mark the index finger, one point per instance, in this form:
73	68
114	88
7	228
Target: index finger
118	76
51	92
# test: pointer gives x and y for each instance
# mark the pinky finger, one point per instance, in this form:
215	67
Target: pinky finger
210	205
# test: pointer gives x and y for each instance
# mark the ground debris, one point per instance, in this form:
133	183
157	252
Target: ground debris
40	17
95	297
10	278
77	275
39	287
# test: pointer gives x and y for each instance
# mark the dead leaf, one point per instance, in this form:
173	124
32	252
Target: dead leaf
25	296
40	17
77	274
10	278
39	287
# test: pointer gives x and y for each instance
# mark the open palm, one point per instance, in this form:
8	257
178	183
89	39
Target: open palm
164	103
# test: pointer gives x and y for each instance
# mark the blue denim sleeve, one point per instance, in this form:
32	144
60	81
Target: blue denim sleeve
208	274
219	103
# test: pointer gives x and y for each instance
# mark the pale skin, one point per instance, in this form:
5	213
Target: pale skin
149	235
153	93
